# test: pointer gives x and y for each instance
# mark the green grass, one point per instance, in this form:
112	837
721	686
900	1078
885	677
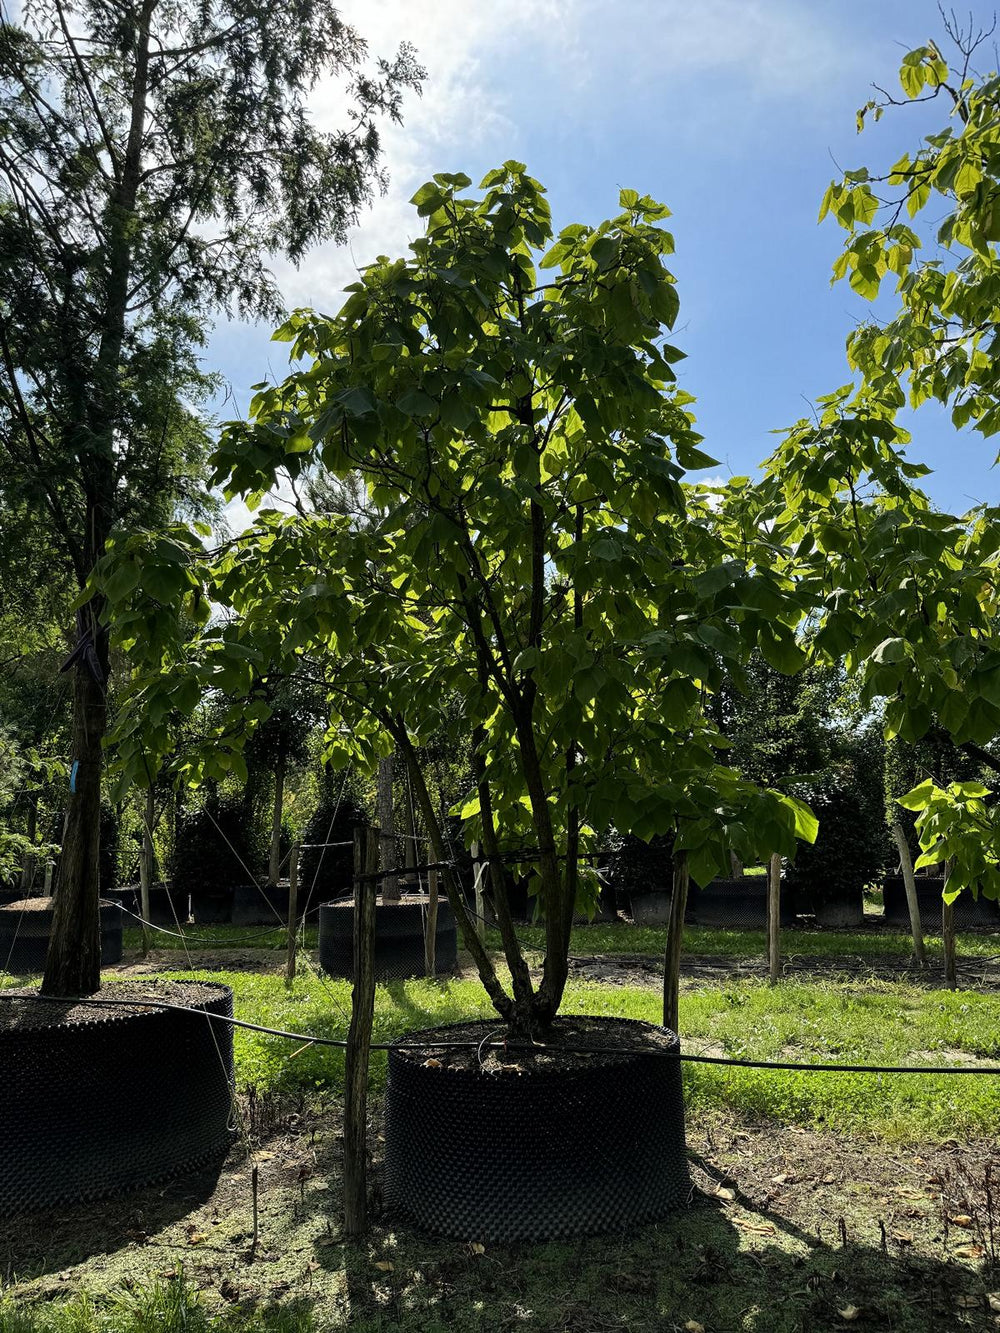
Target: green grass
171	1306
874	1023
220	937
621	938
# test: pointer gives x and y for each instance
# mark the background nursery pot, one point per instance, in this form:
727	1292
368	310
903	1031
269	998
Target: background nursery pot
534	1143
25	927
736	904
257	905
969	911
95	1101
399	938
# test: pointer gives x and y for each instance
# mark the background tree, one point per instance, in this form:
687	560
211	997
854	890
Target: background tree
154	155
921	632
510	406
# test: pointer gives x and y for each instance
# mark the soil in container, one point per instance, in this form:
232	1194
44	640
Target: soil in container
535	1142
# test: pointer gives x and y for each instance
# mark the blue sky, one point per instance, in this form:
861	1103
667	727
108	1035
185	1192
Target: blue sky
733	112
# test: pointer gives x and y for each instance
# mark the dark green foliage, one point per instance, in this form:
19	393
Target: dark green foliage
852	848
327	872
218	845
934	756
636	866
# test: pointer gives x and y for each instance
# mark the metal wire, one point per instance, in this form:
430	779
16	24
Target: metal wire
509	1044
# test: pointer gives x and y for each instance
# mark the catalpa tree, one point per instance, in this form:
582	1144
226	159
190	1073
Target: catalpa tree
908	593
508	401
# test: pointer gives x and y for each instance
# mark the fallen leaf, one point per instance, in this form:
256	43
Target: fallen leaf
829	1180
960	1220
692	1326
195	1237
969	1252
723	1192
385	1266
783	1179
432	1063
968	1302
906	1192
994	1301
850	1313
903	1237
759	1228
477	1247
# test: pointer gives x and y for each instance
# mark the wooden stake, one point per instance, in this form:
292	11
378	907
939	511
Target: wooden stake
774	919
948	938
479	871
675	937
254	1182
430	925
293	911
366	858
910	884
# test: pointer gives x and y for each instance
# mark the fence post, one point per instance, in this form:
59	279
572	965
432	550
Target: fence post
478	871
293	911
948	937
430	924
774	919
910	885
366	857
675	936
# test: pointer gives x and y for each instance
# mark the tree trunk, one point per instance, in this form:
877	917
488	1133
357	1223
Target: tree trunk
387	830
736	866
274	861
774	919
359	1037
73	965
430	925
948	938
28	865
910	884
675	938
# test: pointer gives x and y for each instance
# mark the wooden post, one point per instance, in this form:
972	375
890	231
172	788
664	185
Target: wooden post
366	858
390	886
910	884
675	937
478	871
274	856
948	937
774	919
293	911
430	924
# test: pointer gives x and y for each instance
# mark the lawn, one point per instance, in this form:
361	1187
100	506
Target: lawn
815	1185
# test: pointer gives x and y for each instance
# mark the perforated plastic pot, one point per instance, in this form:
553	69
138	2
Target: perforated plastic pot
212	907
112	1100
969	912
735	904
254	905
166	908
399	938
24	937
653	909
535	1153
845	912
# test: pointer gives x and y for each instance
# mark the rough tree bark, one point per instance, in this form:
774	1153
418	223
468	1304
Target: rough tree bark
910	884
675	938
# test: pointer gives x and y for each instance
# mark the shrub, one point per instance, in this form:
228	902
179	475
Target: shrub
219	844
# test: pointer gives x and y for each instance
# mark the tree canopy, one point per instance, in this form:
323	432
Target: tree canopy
508	400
